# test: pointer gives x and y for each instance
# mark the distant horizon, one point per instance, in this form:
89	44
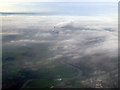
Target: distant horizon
61	8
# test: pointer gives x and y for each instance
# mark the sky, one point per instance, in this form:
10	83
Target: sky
60	1
61	8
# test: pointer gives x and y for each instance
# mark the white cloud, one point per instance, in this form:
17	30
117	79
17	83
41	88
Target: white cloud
79	36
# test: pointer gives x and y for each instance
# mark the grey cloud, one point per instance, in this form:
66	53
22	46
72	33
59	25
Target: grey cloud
90	45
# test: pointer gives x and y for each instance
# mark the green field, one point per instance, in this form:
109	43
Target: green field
21	65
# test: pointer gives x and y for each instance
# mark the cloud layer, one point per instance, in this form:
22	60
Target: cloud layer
87	42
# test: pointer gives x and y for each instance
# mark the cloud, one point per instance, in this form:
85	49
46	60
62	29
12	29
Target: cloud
92	40
75	34
91	43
